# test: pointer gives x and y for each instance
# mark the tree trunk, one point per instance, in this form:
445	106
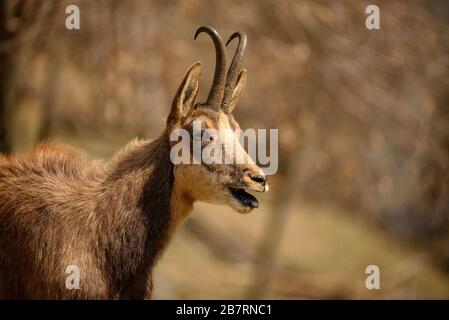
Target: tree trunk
5	71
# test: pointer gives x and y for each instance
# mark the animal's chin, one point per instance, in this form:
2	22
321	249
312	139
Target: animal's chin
246	201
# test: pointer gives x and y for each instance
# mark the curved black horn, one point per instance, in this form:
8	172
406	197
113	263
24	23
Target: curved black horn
234	69
217	88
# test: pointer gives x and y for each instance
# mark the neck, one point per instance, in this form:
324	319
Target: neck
142	205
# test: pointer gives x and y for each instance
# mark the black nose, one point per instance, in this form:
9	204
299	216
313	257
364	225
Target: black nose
261	179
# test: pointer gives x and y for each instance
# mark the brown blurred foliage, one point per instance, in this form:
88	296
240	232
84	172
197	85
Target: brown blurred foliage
363	116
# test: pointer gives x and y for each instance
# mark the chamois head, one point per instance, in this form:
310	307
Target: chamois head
224	181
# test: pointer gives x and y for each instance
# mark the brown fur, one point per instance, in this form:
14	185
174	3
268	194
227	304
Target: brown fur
112	220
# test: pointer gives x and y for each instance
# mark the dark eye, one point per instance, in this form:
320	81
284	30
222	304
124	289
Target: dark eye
207	136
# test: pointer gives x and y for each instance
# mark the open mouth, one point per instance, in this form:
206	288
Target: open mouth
244	197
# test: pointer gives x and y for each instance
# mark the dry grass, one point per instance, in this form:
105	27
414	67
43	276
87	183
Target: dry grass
324	253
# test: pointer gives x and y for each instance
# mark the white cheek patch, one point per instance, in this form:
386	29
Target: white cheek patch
232	149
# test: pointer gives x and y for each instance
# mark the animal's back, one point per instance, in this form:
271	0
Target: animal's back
46	202
44	177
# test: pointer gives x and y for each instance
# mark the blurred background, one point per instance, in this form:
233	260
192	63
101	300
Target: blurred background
363	118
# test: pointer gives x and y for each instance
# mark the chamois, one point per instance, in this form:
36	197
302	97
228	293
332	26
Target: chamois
113	219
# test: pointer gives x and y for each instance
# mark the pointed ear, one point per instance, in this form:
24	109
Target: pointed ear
186	94
241	82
